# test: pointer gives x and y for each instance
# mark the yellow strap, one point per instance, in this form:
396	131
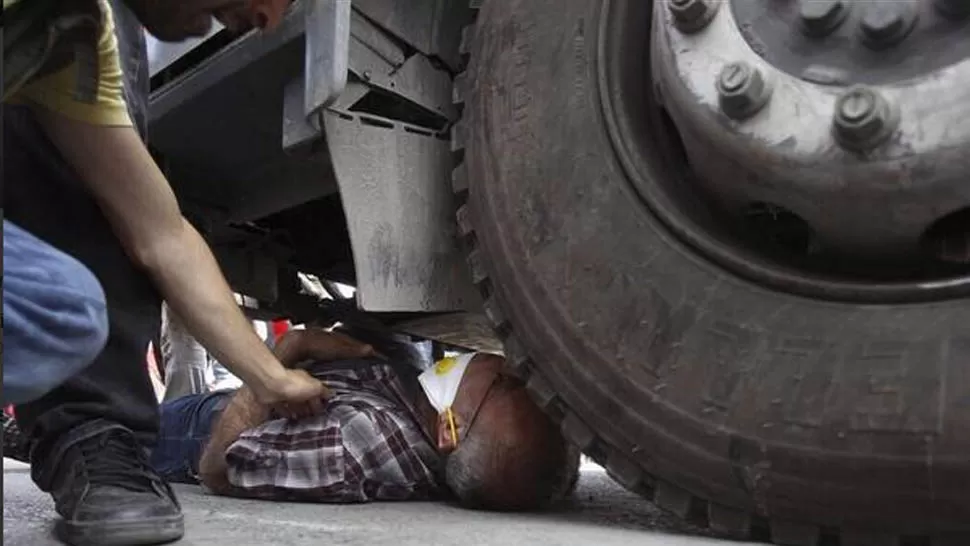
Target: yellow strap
451	424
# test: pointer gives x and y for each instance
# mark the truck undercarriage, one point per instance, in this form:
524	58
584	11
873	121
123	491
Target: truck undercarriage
726	243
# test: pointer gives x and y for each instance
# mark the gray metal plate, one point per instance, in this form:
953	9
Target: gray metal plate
394	184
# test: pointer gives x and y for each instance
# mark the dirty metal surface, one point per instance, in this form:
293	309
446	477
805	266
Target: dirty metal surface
377	61
928	38
469	330
411	22
394	181
325	57
874	202
432	27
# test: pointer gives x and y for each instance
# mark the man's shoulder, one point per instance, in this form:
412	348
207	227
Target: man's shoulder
65	80
82	25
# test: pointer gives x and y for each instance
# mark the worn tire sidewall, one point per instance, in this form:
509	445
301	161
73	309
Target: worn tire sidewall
756	398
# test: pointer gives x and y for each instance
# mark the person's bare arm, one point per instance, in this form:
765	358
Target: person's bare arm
141	207
298	346
242	413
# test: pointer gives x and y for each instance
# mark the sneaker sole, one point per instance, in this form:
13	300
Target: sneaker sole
135	533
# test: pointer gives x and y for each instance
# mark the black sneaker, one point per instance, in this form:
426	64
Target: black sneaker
108	494
16	444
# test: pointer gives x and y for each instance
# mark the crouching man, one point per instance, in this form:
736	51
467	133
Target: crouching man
386	431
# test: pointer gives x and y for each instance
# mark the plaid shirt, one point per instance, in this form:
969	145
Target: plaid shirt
366	445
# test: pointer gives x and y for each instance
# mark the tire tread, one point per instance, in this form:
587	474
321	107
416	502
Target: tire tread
729	521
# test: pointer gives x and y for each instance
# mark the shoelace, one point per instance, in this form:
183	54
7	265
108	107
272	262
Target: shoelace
115	459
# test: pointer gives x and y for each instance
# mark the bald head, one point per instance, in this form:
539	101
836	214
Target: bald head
513	456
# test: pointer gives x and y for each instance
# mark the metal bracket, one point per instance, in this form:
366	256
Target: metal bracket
379	62
298	128
327	48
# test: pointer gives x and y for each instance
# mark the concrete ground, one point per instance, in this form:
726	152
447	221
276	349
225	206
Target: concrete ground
601	514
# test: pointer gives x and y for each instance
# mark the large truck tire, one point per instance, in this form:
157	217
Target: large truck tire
769	409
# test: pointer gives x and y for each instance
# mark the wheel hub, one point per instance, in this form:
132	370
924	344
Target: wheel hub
852	117
872	42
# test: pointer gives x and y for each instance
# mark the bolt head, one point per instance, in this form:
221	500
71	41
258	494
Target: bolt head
734	76
692	15
886	23
685	10
882	20
820	17
856	105
863	119
742	90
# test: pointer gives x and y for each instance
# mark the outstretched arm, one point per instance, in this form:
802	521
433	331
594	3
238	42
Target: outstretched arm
144	214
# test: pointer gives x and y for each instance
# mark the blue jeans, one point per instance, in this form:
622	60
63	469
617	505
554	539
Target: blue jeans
55	319
186	425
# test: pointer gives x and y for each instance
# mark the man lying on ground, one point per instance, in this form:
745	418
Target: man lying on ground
387	431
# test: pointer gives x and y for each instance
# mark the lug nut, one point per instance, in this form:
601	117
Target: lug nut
742	90
692	15
734	76
863	119
887	23
820	17
956	9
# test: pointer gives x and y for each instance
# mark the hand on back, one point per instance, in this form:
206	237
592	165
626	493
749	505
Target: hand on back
300	394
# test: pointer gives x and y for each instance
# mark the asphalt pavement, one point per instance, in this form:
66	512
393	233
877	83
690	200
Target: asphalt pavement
600	514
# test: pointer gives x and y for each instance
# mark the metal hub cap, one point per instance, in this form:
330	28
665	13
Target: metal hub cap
874	42
863	119
692	15
822	17
742	89
886	23
868	159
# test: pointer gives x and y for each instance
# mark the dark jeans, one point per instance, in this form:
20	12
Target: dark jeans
186	425
43	195
55	320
